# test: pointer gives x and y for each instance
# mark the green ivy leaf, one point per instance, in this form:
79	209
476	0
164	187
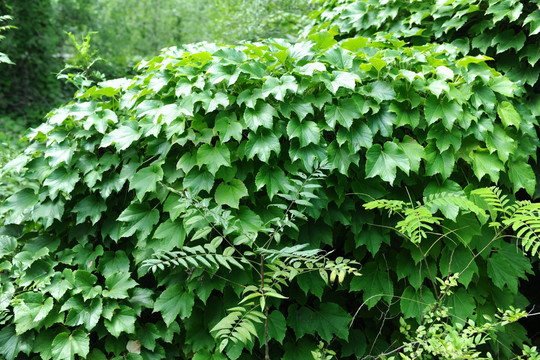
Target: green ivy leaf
91	207
486	163
83	313
273	178
230	193
338	57
279	87
381	91
508	114
174	301
84	284
227	127
306	131
145	180
122	137
67	346
261	115
61	180
138	217
439	162
30	310
507	265
462	305
197	180
414	152
385	162
374	283
121	320
262	144
213	157
117	285
172	234
11	344
522	176
413	304
442	109
344	113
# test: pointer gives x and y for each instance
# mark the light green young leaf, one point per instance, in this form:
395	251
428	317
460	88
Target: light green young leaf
122	137
67	346
508	114
486	163
230	193
279	87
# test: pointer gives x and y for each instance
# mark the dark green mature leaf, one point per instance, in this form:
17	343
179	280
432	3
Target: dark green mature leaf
328	321
12	344
507	265
344	113
462	305
87	313
374	284
172	233
442	109
273	178
30	310
61	180
174	301
67	346
522	176
138	218
384	162
230	193
197	180
414	304
91	207
262	144
486	163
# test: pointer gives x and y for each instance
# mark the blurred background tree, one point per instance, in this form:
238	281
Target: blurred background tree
127	31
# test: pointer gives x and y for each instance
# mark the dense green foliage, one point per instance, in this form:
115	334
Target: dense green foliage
224	203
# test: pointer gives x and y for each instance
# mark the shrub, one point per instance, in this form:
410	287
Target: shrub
211	206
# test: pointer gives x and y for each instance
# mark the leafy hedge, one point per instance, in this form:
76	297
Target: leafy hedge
180	213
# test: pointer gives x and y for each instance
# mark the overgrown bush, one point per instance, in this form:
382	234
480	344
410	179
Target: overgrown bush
212	206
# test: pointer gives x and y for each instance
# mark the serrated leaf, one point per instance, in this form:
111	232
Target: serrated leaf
502	85
338	57
508	114
91	207
113	262
522	176
261	115
230	193
83	313
442	109
507	265
138	218
84	283
197	180
461	305
413	304
381	91
227	126
306	131
174	301
61	180
486	163
414	152
385	162
375	285
277	326
67	346
213	157
122	320
261	145
172	233
273	178
122	137
279	87
439	162
344	113
30	310
145	180
117	285
12	344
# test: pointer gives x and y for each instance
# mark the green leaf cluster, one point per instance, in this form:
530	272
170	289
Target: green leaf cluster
237	174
